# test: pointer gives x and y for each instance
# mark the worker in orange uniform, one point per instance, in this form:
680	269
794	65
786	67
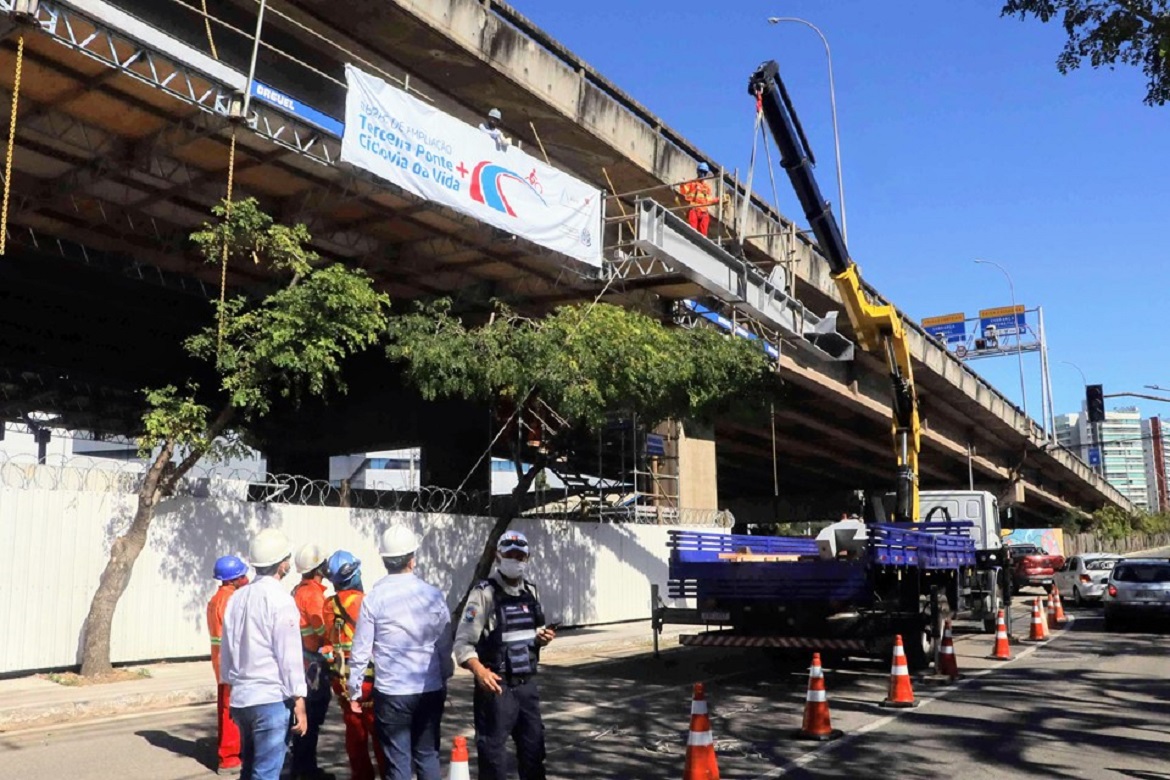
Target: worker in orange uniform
232	574
697	194
345	572
309	595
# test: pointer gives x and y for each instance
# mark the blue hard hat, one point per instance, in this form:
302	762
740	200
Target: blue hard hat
704	168
344	568
229	567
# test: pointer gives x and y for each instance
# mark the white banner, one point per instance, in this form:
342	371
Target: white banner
442	159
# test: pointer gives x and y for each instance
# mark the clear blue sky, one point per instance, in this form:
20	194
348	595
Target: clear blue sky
959	140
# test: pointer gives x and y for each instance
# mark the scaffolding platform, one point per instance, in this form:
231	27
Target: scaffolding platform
741	287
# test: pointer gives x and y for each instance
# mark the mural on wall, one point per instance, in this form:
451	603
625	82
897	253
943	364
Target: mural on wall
1051	540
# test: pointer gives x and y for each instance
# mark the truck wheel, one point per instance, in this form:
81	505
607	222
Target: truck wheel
920	643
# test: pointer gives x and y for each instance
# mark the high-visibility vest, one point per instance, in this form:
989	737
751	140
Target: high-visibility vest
697	193
215	609
309	596
346	606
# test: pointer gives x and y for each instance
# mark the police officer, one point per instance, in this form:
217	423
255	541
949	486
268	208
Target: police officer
499	640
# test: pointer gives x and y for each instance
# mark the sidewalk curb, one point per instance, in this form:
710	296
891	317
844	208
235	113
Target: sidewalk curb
18	719
99	702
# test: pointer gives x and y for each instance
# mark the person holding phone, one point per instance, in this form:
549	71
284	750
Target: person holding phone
498	640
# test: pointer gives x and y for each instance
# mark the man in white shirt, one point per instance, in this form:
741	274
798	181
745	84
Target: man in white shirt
260	657
404	625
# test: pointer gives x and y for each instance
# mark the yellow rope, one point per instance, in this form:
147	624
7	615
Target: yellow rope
207	24
227	219
11	146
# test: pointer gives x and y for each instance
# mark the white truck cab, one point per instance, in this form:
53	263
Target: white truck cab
976	506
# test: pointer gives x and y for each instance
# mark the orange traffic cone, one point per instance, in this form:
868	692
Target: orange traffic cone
817	724
1003	649
701	763
948	664
1051	608
459	769
1039	633
901	692
1060	616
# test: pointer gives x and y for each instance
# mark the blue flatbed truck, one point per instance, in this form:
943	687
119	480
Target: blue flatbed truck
847	592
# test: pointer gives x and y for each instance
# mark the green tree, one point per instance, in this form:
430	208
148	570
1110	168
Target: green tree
287	344
1108	32
1110	522
584	361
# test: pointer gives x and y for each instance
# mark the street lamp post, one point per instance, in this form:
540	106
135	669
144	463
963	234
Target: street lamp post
833	105
1019	340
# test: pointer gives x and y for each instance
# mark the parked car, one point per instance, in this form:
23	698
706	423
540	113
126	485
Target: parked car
1139	588
1031	565
1083	577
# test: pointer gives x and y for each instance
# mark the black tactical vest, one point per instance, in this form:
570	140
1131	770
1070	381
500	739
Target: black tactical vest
509	649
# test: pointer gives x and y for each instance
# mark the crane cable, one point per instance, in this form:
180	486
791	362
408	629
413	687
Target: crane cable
227	216
11	145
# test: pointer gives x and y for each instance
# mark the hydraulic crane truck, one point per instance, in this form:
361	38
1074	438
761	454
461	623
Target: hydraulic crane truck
857	584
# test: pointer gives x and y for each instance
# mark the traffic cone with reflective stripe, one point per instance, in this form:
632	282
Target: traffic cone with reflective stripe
948	664
1051	608
459	769
1038	633
1003	648
1060	616
817	724
701	763
901	691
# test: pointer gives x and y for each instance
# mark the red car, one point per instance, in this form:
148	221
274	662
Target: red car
1031	565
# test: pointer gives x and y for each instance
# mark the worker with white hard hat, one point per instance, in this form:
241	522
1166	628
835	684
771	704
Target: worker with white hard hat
309	595
260	658
404	626
491	126
499	641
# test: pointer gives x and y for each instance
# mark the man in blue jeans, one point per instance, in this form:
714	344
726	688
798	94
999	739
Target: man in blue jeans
404	625
260	657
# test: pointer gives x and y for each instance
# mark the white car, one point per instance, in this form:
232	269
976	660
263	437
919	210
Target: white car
1084	577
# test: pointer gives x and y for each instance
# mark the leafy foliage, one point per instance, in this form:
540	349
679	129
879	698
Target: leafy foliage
584	360
1114	523
295	339
1129	32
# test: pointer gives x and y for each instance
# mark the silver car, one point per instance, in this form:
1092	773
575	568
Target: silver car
1084	577
1139	588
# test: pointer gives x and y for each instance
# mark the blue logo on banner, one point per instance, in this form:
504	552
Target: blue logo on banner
1094	456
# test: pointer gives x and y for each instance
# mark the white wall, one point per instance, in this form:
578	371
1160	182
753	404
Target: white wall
57	543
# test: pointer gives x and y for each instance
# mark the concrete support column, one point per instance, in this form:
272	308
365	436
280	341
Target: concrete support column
698	484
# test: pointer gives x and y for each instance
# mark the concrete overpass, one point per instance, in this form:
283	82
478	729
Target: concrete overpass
122	144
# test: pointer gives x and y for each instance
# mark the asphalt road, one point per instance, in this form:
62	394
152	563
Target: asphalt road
1085	705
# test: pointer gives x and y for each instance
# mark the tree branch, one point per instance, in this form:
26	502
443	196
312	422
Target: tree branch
1139	12
210	435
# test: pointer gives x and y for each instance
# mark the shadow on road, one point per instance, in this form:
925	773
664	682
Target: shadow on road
191	748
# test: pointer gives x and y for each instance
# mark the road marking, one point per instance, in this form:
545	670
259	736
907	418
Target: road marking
827	747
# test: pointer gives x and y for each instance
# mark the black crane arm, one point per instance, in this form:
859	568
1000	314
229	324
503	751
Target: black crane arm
878	326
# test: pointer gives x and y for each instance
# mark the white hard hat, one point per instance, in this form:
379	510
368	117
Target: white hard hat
269	547
398	540
309	557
